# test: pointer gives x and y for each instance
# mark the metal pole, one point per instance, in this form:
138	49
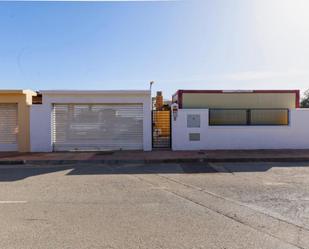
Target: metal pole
150	88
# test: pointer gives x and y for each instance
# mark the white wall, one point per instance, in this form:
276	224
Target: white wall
40	128
294	136
41	115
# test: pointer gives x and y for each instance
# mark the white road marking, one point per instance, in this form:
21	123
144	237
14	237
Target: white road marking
12	202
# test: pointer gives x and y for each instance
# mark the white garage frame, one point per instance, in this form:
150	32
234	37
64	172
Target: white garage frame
41	115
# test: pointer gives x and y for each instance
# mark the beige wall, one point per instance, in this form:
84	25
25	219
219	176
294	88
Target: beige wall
24	101
238	100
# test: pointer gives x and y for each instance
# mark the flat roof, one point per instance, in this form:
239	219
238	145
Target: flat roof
95	91
238	91
17	91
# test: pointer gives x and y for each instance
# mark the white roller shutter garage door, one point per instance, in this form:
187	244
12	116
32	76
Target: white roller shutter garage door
97	127
8	127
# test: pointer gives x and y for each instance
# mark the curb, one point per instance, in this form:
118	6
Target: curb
152	161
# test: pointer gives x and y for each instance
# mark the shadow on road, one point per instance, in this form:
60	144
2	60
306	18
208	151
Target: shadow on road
19	173
16	173
144	169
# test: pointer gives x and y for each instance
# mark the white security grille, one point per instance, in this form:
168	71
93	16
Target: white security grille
97	127
8	127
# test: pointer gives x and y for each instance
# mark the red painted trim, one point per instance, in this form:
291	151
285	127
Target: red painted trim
297	104
240	91
180	95
201	91
276	91
181	92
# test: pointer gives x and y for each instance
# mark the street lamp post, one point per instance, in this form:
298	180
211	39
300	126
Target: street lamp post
151	83
150	88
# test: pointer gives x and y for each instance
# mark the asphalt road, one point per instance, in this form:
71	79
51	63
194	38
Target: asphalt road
256	205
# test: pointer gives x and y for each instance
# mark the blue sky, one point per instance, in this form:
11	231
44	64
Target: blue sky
223	44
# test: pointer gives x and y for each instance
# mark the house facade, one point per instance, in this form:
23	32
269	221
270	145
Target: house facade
216	119
64	120
91	120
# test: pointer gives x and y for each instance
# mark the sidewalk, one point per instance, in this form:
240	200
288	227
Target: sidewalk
154	156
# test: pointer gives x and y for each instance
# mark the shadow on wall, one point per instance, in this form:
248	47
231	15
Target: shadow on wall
14	173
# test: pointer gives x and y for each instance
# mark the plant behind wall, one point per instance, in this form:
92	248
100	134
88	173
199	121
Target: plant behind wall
305	100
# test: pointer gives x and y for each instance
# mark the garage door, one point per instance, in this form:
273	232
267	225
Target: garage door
97	127
8	127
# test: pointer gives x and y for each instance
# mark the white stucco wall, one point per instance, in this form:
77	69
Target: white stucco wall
41	115
294	136
40	128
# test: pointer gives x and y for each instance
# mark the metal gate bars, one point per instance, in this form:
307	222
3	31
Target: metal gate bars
161	129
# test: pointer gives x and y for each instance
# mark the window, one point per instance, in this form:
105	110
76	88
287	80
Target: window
269	117
248	117
227	117
37	100
193	121
194	137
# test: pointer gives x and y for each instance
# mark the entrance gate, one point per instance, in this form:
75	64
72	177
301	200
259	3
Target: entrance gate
161	129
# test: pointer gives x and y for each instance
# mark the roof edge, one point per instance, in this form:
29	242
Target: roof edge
18	91
239	91
95	92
